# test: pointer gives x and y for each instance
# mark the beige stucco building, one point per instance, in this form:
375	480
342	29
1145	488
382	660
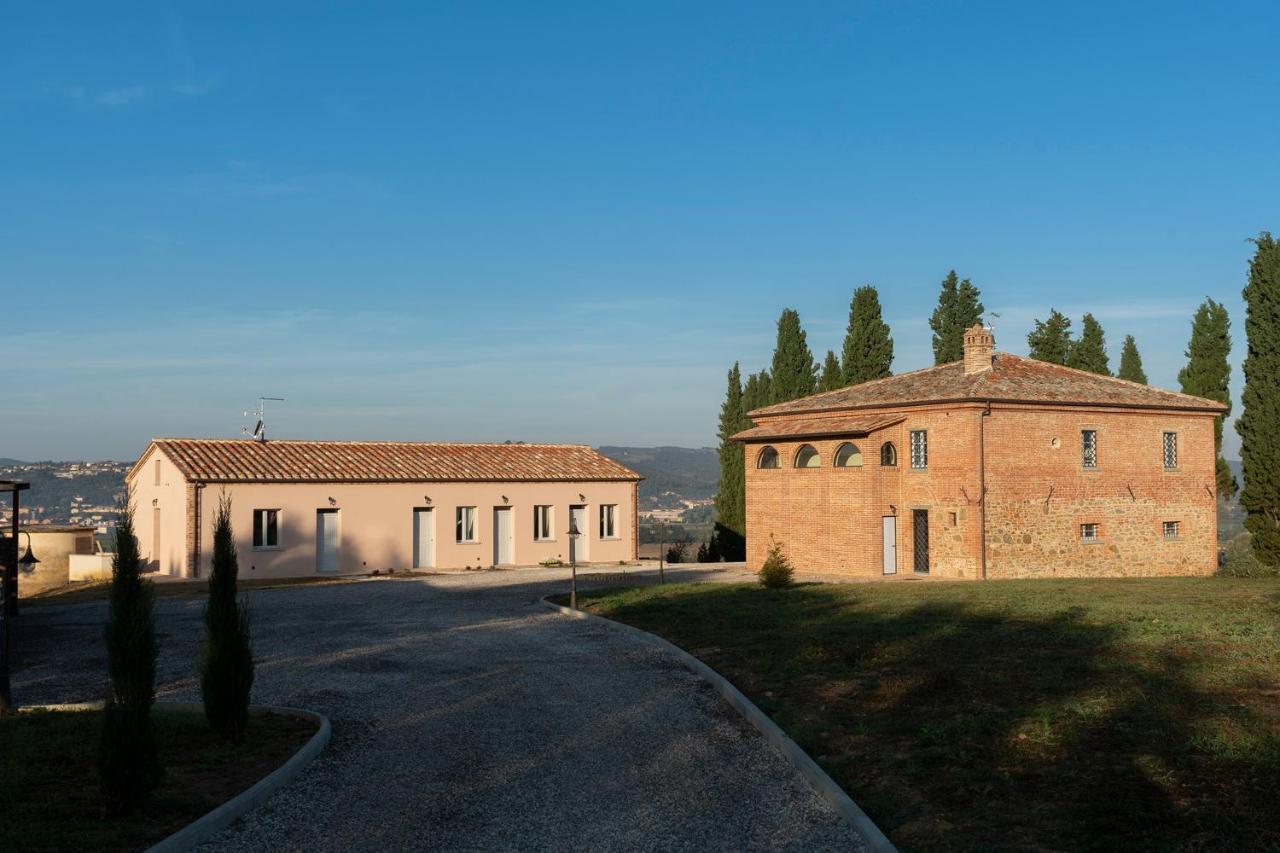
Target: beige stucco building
350	507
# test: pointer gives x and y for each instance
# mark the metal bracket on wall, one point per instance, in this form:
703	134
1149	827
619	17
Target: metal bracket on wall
1048	497
1132	496
964	492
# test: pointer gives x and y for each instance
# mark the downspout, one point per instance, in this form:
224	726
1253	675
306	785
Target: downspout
196	492
982	482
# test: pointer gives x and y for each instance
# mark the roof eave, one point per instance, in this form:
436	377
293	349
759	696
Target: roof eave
1209	407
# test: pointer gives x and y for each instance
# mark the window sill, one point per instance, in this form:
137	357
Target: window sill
609	539
544	541
1090	541
466	541
267	548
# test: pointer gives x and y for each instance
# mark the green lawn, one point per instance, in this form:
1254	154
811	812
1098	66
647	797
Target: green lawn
49	797
1127	714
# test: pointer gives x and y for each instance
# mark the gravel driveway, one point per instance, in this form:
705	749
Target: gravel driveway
466	716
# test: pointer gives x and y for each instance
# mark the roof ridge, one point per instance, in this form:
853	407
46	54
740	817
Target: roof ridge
1126	382
869	382
248	440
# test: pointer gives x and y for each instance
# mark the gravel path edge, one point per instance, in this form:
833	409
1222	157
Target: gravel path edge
213	822
875	840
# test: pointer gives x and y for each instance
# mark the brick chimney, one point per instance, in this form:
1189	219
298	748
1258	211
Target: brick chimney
979	343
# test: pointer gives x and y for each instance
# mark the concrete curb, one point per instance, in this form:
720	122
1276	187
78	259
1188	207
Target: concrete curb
210	824
876	841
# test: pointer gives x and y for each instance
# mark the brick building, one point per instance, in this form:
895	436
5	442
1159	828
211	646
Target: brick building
350	507
996	466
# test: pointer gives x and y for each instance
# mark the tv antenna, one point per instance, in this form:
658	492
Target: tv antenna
992	325
260	418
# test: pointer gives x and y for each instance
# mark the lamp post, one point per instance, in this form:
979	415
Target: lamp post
574	533
10	589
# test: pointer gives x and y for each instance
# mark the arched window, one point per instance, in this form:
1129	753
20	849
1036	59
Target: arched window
848	456
768	458
807	457
888	455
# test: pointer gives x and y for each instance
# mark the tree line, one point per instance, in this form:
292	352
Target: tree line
867	354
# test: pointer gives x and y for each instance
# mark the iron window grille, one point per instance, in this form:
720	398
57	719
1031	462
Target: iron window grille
1089	532
919	449
1171	450
1172	529
1089	448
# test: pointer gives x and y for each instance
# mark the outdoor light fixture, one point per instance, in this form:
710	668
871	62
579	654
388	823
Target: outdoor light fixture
505	499
574	533
27	564
427	498
333	501
582	498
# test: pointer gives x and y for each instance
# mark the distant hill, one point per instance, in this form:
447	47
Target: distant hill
1237	468
688	472
8	463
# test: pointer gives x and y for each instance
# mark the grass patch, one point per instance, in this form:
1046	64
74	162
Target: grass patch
99	590
49	795
1130	714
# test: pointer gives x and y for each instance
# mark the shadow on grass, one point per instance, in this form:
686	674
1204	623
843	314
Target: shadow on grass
959	725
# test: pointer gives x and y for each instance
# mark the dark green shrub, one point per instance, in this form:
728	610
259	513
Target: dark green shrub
678	552
777	571
1241	562
128	763
226	671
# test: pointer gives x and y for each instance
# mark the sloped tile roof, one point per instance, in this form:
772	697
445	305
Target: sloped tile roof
816	427
245	460
1012	378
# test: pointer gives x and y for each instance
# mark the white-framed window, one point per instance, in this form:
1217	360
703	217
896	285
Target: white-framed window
543	523
1170	450
465	524
266	528
1089	448
1172	529
768	458
807	457
608	521
919	449
1089	532
848	456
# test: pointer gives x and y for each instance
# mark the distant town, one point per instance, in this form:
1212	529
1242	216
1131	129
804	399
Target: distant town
79	493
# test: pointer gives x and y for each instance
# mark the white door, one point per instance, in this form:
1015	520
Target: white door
502	532
424	538
578	516
889	525
327	538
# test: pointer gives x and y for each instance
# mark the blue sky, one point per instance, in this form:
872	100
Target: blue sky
564	222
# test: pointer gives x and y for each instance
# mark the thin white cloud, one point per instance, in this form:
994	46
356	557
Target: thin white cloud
121	97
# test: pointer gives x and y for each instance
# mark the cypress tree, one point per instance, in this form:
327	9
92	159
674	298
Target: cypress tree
959	307
1131	362
731	491
868	347
1259	424
1090	352
832	375
1208	374
794	372
128	763
1051	340
226	672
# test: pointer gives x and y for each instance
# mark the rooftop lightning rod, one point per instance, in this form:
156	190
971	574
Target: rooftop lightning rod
260	414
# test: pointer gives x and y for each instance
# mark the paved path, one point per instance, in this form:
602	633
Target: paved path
466	716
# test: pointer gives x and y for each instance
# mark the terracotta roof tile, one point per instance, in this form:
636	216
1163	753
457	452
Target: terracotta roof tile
281	461
816	427
1011	378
